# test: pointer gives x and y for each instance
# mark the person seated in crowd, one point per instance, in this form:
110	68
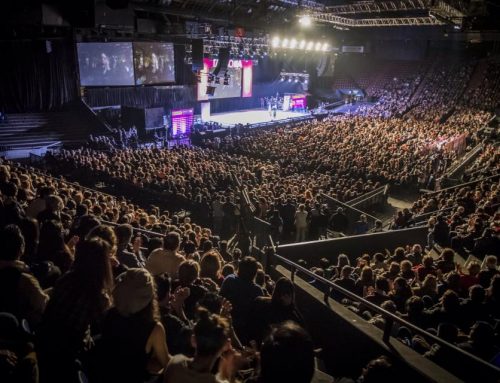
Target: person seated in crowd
18	361
167	259
79	299
21	295
286	355
278	308
130	259
210	340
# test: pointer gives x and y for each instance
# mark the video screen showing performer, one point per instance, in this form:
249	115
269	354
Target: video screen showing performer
105	64
154	63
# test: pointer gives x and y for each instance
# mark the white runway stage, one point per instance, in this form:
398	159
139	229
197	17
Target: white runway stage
254	116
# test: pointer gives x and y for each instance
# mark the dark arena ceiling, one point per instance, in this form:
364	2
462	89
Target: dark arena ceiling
264	16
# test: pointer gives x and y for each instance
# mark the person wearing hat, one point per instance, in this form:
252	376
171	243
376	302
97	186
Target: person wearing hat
133	339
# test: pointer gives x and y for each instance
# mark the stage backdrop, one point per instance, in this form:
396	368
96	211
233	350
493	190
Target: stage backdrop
37	75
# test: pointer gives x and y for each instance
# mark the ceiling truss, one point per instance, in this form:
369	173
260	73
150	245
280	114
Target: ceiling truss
440	12
344	22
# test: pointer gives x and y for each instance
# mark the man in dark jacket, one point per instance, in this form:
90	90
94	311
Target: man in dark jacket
339	222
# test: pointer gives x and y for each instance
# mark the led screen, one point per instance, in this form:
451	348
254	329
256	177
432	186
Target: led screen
105	64
154	63
182	121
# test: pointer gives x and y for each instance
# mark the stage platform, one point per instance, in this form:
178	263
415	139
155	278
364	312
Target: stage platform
254	117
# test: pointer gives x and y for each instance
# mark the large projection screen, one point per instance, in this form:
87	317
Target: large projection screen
105	64
154	63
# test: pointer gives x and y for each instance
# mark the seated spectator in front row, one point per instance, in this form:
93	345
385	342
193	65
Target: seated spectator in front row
29	300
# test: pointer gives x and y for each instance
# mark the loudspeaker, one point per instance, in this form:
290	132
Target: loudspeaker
210	90
197	54
223	60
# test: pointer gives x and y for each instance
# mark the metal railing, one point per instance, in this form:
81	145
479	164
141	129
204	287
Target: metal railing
389	317
460	165
429	193
136	229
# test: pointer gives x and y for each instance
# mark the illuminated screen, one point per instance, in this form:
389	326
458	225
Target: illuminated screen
105	64
240	74
298	101
154	63
182	121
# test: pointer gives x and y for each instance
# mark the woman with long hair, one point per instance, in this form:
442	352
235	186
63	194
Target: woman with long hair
78	302
278	308
51	246
210	267
364	281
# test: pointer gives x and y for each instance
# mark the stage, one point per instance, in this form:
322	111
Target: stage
253	117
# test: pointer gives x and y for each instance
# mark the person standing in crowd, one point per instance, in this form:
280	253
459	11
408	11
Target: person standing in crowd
133	341
339	223
301	223
240	289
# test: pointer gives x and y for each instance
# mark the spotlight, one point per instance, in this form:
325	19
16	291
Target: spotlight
302	44
276	42
284	44
293	44
310	45
318	46
305	21
296	79
282	78
289	79
324	48
306	81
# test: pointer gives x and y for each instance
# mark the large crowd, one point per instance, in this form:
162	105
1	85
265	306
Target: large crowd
458	303
147	284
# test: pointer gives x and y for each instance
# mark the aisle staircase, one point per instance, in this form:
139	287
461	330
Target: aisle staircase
26	133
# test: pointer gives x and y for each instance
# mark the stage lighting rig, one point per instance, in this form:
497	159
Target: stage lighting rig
293	43
305	21
239	47
302	77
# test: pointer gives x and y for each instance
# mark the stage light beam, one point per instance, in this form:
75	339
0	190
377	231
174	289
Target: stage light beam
284	43
293	44
310	45
276	42
305	21
318	46
302	44
324	48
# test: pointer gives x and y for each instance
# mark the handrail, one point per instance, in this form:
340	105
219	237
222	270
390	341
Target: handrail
348	206
365	196
461	185
379	192
60	178
96	116
450	173
144	231
390	317
424	215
